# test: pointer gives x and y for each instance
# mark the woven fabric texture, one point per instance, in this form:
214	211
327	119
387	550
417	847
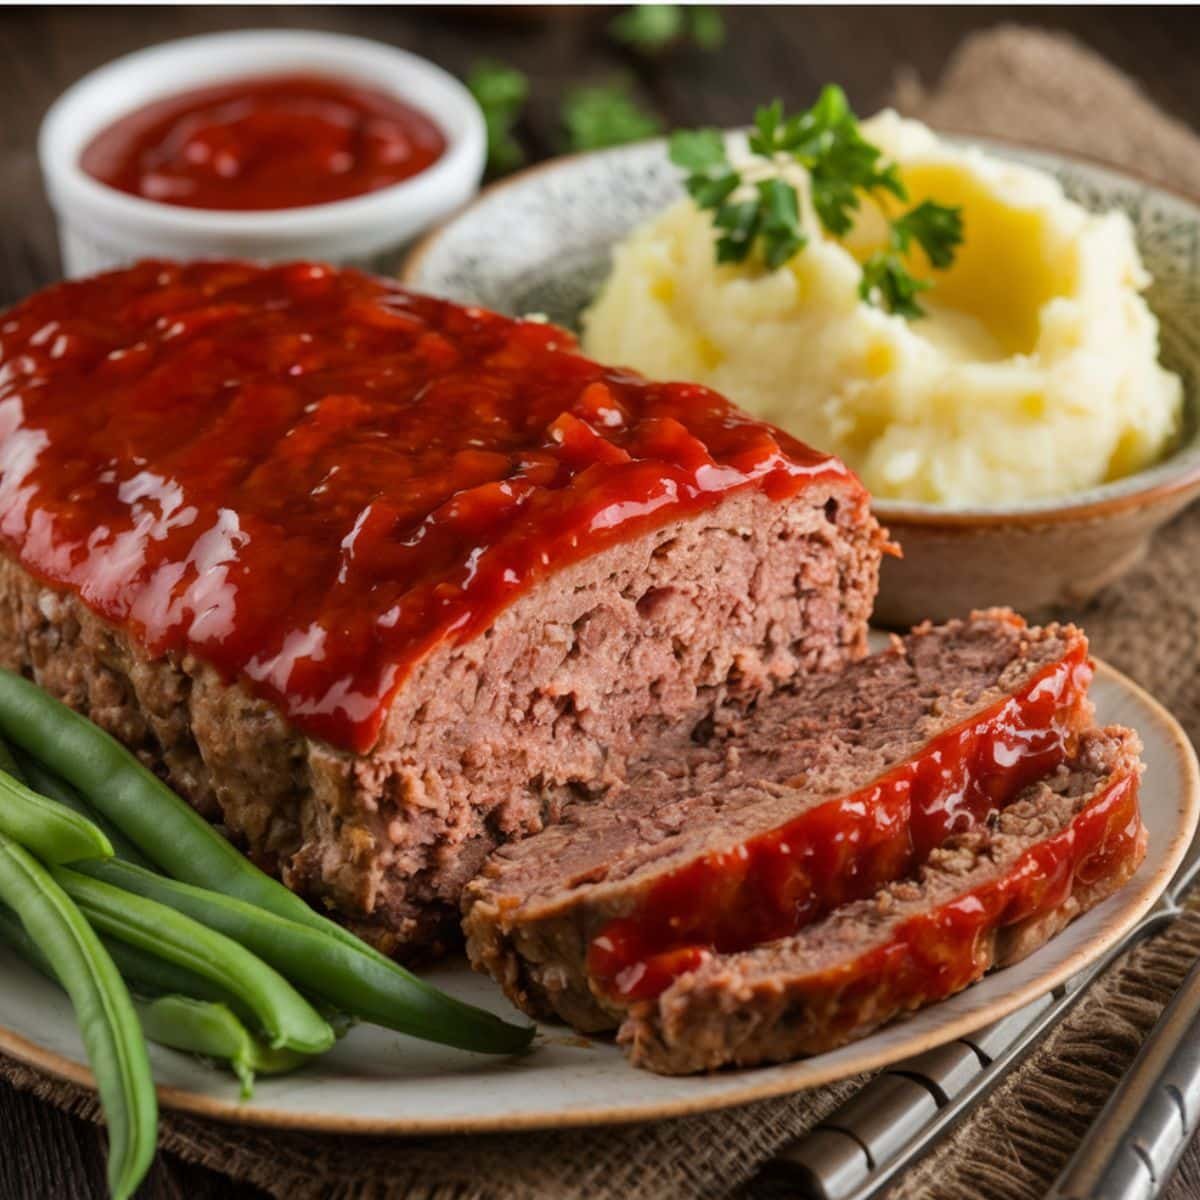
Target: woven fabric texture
1019	84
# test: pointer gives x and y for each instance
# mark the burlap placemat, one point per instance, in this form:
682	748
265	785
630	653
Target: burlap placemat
1015	83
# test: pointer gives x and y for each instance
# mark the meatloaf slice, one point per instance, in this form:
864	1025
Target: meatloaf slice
985	899
812	799
371	577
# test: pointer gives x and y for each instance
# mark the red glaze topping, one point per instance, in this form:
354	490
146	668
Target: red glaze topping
310	477
254	144
848	847
937	953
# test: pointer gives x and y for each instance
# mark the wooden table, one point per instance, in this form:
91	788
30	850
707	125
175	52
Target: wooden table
45	1155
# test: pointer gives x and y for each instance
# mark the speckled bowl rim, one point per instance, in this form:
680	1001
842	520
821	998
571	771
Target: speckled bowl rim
1175	478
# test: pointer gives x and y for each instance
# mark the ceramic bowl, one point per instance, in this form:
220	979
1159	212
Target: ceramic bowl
100	227
541	242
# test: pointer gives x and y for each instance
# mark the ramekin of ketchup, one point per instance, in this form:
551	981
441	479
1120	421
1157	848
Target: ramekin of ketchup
264	145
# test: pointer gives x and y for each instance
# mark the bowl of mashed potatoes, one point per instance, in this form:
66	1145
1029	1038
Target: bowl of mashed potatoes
1022	439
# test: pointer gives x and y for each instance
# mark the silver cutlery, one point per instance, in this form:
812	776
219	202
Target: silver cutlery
900	1113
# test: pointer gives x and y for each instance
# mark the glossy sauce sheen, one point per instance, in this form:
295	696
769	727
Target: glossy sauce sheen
847	847
270	143
310	478
937	953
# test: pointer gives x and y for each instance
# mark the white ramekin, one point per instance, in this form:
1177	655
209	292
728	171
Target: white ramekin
100	227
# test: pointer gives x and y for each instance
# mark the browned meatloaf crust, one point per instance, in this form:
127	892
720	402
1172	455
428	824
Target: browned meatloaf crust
810	993
627	649
536	907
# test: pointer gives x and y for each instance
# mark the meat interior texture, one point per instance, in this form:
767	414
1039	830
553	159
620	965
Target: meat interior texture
534	911
867	963
626	650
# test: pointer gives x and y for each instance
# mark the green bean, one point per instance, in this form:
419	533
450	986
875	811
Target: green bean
30	817
162	825
35	776
13	935
147	974
108	1024
315	962
288	1020
180	1022
9	763
151	976
53	833
212	1031
180	842
27	770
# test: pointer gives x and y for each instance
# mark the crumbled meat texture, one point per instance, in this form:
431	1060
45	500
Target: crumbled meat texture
627	649
537	904
782	999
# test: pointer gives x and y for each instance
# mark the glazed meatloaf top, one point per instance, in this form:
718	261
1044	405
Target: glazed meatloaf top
310	478
374	580
985	898
780	814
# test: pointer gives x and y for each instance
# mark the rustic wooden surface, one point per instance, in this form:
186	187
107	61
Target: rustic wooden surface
789	52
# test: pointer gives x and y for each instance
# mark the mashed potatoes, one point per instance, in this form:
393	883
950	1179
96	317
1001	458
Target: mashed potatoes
1035	372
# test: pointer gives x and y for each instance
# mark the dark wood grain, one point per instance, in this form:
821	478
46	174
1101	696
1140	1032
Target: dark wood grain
789	52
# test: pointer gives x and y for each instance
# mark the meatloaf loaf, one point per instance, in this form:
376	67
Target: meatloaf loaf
986	898
372	579
813	799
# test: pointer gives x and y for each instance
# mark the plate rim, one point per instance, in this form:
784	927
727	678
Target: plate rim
783	1080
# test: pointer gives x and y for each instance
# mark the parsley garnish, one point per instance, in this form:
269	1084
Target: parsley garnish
937	230
593	115
843	167
501	93
652	28
599	115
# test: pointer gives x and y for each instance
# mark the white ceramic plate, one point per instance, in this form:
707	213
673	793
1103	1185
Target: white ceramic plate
379	1082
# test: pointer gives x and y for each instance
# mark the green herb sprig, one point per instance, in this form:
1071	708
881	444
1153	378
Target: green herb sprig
597	115
938	230
843	168
653	28
501	92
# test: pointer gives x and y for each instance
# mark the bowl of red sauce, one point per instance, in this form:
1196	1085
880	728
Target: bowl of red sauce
264	145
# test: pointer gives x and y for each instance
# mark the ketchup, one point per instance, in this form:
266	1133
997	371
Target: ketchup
310	477
278	142
773	884
936	953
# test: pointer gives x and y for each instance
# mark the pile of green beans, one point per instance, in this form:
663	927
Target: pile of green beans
289	1020
111	885
206	1028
